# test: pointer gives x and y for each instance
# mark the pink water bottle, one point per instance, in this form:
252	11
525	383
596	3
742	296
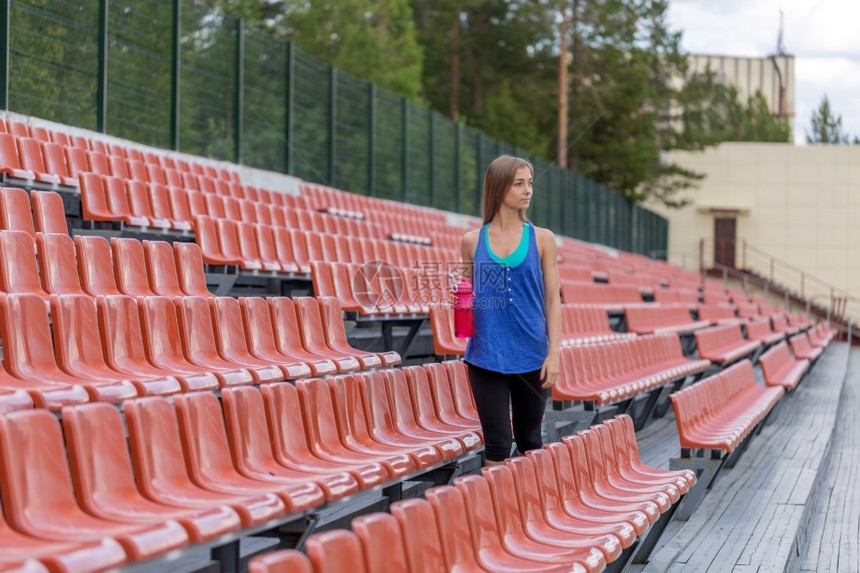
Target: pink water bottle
464	320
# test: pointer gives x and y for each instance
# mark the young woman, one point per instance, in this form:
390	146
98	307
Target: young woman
513	357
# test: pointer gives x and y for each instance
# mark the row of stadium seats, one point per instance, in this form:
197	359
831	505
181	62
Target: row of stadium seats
198	471
571	506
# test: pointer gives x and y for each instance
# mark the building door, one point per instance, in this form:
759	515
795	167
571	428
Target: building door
724	242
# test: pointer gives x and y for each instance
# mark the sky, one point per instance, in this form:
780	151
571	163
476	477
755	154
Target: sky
822	35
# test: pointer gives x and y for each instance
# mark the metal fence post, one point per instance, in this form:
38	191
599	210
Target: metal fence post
5	29
102	88
239	91
458	166
332	133
175	72
371	140
289	111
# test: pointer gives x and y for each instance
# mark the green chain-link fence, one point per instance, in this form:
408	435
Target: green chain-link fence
178	75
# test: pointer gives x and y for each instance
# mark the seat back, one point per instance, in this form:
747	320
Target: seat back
161	268
49	214
18	272
98	455
282	561
336	551
130	267
423	539
382	543
285	421
28	350
35	481
95	265
190	269
58	266
15	214
77	342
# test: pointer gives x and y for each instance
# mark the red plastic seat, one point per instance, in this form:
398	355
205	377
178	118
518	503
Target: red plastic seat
405	417
162	208
232	344
260	336
95	265
97	555
281	561
382	421
210	465
197	333
270	250
323	436
58	267
596	489
382	542
291	444
104	482
288	337
521	522
140	204
18	272
49	214
335	336
124	205
28	352
425	410
129	267
423	539
351	415
470	498
15	212
10	162
79	352
251	447
207	236
336	551
442	325
160	265
313	335
31	444
463	399
230	246
76	161
161	472
249	249
122	339
190	269
443	399
163	343
627	455
542	471
55	162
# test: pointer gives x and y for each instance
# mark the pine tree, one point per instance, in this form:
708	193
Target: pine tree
826	126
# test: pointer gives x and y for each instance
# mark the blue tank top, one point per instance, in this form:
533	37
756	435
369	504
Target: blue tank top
510	316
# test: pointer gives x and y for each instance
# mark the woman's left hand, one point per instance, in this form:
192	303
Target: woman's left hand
549	371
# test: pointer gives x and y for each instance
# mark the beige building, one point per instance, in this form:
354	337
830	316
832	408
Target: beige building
789	212
773	77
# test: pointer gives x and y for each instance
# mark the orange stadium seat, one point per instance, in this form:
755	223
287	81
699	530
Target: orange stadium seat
49	215
55	162
288	337
781	369
160	264
251	447
95	265
190	268
197	333
15	214
282	561
291	443
31	444
104	482
161	471
232	344
260	336
210	464
125	349
79	352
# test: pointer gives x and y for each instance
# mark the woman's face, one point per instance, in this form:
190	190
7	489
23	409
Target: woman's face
519	194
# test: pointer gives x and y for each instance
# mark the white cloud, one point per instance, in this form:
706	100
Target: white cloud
822	35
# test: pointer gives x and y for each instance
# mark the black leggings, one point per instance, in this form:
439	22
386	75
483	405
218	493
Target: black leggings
503	400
